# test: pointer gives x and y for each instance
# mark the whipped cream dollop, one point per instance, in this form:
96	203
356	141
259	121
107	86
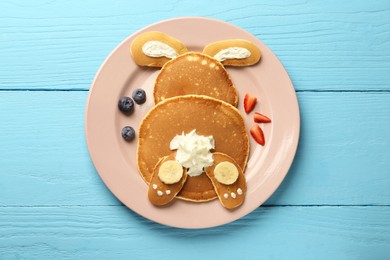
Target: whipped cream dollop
157	49
193	151
232	53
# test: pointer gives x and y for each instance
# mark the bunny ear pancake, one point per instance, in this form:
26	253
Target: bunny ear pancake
234	52
154	49
195	73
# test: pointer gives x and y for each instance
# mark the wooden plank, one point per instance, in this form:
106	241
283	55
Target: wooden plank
343	153
342	157
324	45
44	156
267	233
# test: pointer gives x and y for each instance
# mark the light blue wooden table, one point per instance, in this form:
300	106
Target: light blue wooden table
334	203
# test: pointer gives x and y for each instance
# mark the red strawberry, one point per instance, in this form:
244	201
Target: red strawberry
260	118
257	134
249	103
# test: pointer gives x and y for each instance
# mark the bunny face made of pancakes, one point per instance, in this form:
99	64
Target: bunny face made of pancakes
193	94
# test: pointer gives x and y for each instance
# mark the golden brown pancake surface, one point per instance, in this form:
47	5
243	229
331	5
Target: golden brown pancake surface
208	116
194	73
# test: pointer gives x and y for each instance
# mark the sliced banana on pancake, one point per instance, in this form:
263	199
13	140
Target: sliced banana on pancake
224	171
170	172
166	170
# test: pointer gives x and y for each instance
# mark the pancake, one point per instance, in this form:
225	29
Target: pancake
233	195
143	60
194	73
214	48
208	116
167	191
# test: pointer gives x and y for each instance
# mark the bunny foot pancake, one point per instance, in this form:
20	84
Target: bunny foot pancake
210	117
161	192
194	73
228	180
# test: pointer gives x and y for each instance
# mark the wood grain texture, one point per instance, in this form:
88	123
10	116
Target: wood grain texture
327	45
54	205
267	233
342	159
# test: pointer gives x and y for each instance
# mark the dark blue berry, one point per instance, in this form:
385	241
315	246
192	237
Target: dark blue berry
128	133
139	96
126	105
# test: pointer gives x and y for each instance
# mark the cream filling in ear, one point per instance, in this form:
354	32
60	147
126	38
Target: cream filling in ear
157	49
232	53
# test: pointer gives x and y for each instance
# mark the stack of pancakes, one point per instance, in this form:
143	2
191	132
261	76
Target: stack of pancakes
192	91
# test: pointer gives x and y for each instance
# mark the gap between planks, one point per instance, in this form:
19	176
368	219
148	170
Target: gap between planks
298	91
263	206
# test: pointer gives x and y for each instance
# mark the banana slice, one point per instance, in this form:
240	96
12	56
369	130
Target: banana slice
226	173
170	172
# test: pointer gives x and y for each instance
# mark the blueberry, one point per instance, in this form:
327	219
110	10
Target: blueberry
126	105
139	96
128	133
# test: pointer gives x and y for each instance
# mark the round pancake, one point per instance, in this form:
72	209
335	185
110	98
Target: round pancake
194	73
208	116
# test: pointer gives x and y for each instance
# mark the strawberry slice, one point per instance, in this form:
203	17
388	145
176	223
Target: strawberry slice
257	134
249	103
260	118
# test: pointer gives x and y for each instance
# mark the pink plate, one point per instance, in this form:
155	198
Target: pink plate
115	159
